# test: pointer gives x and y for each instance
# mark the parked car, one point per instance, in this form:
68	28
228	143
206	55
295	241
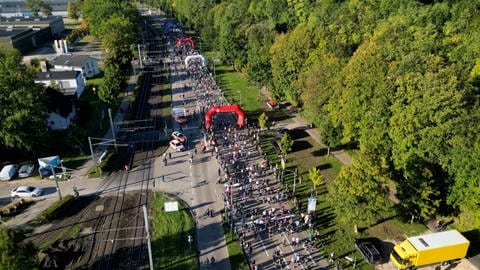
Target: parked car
26	191
44	172
8	172
179	136
369	251
178	146
26	170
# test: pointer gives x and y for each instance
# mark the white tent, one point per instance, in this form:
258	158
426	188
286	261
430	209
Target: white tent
196	56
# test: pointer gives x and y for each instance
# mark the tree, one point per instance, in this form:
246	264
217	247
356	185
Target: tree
112	85
329	134
288	54
46	9
263	120
96	12
358	196
316	177
34	6
285	144
260	38
76	138
72	10
231	36
22	110
13	255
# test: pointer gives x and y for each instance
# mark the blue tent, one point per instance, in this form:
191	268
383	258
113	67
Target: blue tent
48	162
47	165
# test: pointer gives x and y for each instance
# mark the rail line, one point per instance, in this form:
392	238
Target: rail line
125	246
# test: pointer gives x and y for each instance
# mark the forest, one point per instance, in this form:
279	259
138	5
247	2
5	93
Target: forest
399	80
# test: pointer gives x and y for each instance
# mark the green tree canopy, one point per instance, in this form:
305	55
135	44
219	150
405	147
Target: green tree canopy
358	196
22	110
316	177
263	120
285	144
34	6
73	11
13	255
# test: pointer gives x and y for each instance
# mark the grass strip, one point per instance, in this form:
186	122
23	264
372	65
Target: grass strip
169	238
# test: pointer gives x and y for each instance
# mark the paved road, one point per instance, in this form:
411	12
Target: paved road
195	182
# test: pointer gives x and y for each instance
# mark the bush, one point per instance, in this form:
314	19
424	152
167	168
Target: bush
53	211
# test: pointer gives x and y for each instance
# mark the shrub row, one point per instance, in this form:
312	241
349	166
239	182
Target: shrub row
55	209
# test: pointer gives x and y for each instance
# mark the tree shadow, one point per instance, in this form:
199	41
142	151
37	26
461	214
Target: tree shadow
301	145
324	166
473	236
297	133
319	153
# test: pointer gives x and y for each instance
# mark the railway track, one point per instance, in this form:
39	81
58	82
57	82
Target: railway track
120	240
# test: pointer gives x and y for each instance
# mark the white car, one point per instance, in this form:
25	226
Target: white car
177	135
178	146
26	191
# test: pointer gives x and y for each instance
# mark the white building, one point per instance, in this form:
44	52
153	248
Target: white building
83	63
68	82
61	109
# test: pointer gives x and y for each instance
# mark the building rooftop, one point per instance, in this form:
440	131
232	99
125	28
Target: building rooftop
57	75
10	32
29	19
70	60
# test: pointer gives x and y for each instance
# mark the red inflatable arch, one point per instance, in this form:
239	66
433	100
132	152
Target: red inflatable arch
183	40
222	109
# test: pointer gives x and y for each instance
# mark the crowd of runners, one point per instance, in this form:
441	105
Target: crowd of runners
256	201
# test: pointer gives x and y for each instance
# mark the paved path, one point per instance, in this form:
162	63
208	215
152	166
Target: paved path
296	121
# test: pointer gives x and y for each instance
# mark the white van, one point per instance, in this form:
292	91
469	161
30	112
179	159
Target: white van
8	172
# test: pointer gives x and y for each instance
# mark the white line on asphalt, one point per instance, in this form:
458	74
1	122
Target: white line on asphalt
261	241
293	250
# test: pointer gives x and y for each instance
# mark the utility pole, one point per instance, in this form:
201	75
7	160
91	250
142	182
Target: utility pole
149	244
113	129
140	56
91	150
56	182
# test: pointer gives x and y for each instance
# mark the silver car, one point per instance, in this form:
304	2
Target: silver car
26	191
26	170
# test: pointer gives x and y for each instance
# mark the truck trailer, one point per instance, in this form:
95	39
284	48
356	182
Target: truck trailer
429	249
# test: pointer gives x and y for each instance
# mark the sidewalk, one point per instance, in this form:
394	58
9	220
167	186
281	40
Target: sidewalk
343	157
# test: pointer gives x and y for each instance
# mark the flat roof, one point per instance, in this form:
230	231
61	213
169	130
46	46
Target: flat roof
57	75
73	60
10	32
29	19
434	240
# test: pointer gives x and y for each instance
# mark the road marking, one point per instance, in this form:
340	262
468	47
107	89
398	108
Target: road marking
293	250
261	241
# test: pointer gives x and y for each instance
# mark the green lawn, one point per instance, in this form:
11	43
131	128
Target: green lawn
169	234
237	259
237	90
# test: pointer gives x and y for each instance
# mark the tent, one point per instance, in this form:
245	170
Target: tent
48	162
193	57
47	165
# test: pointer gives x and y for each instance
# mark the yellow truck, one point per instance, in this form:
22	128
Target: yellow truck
429	249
